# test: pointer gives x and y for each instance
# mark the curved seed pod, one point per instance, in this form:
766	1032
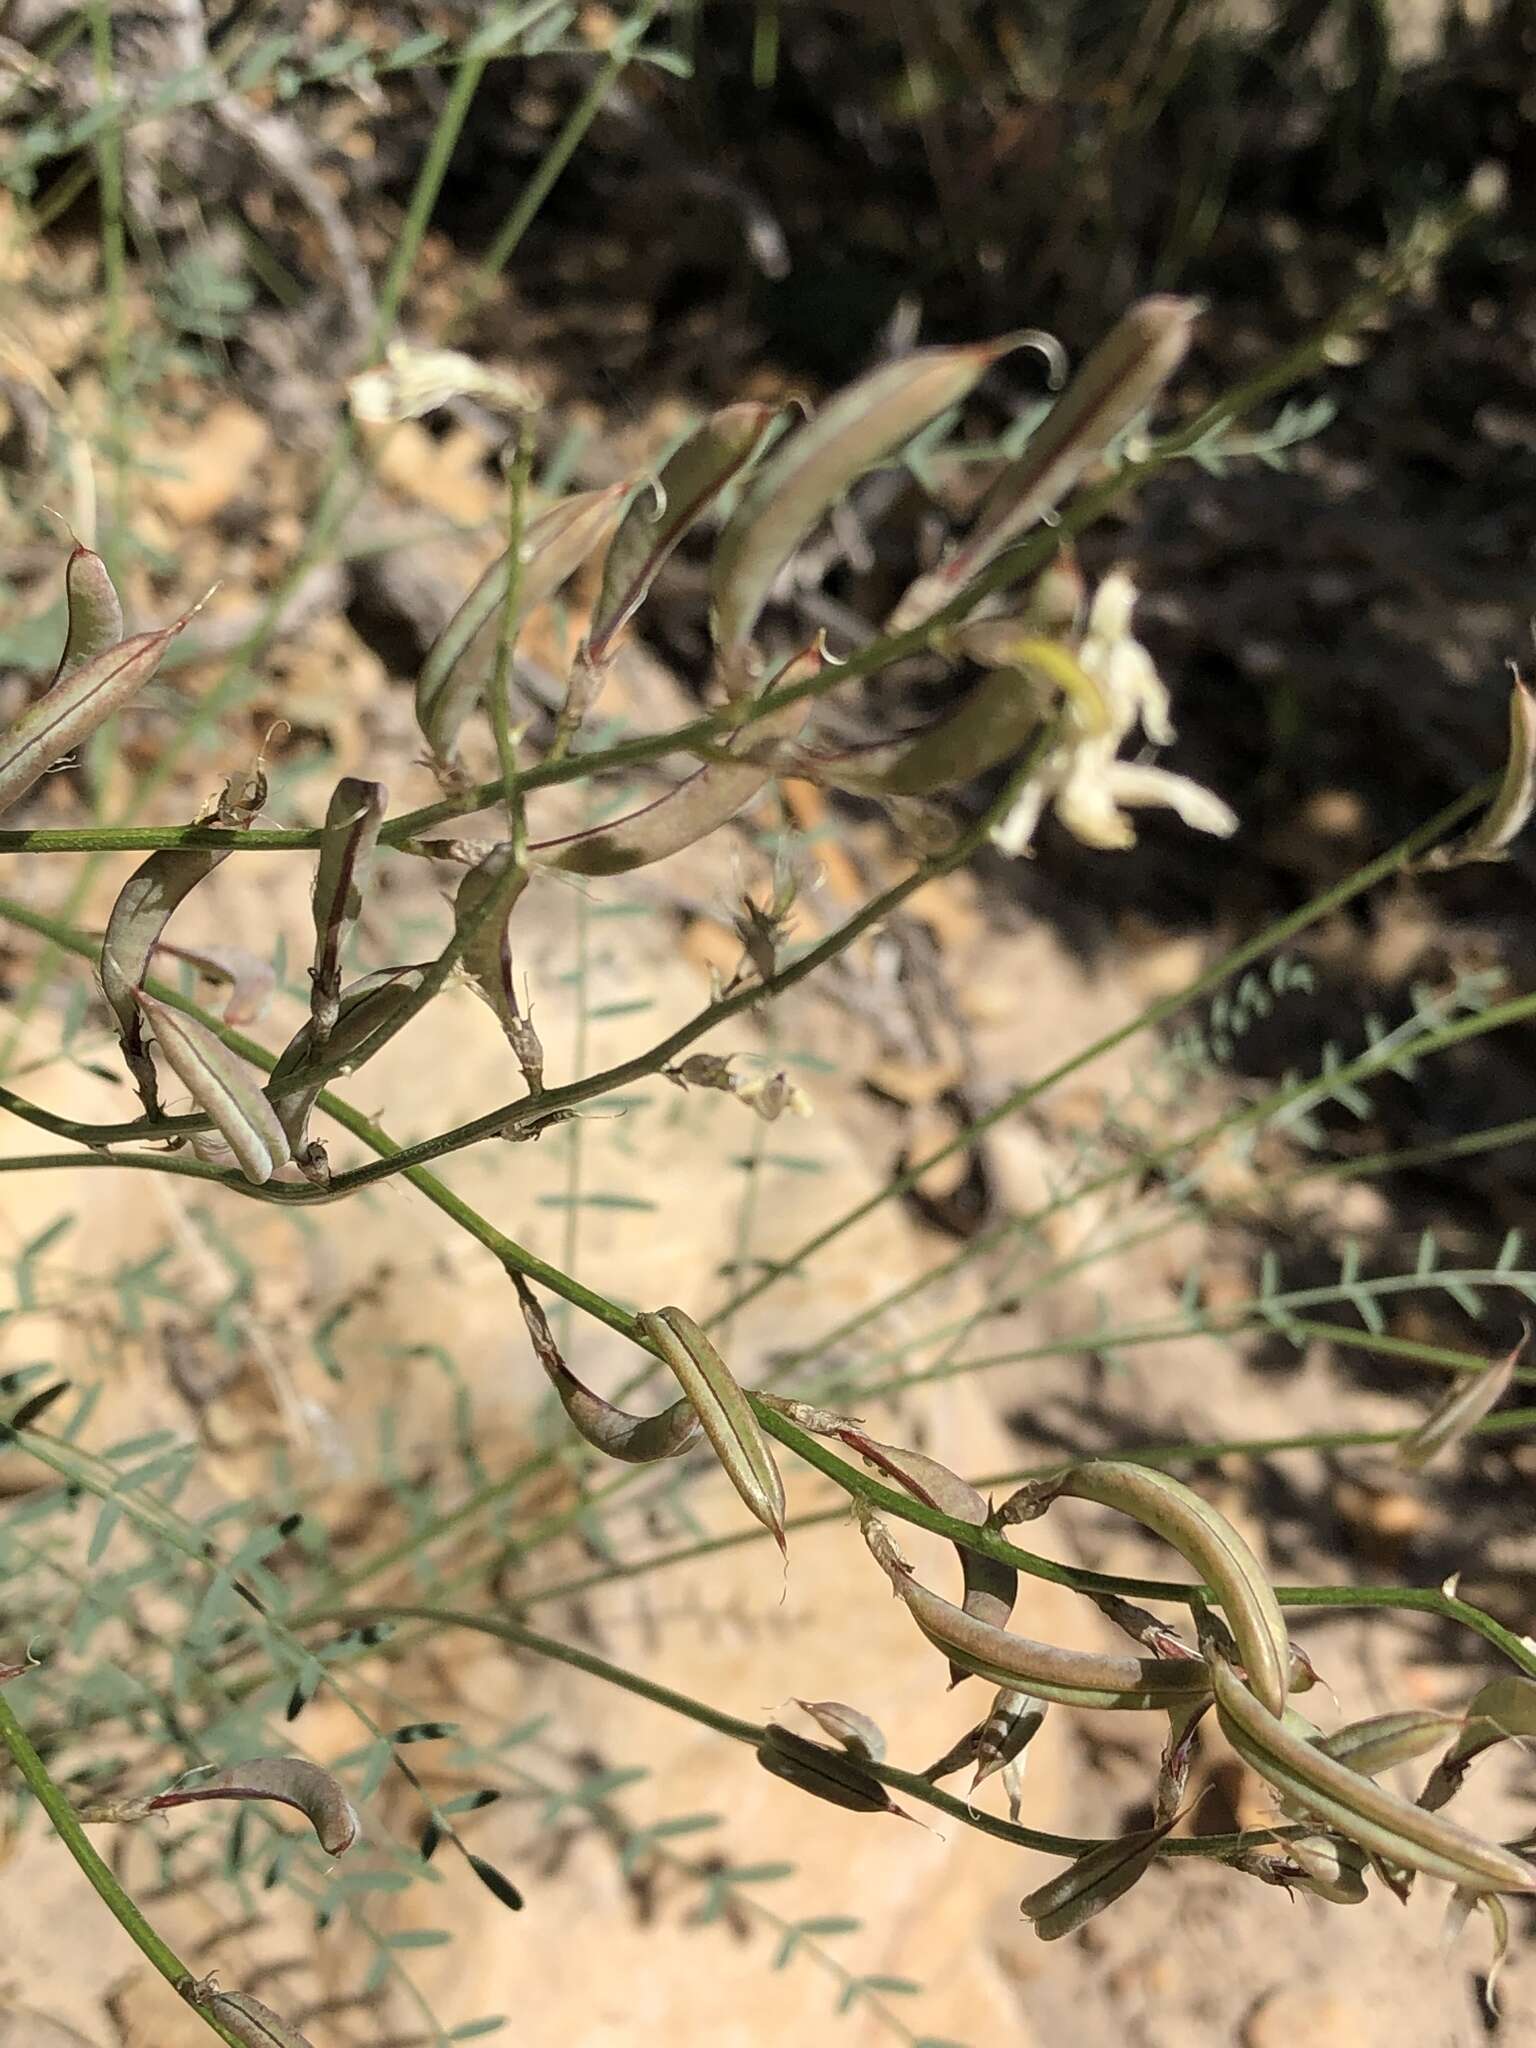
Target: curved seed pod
1212	1547
995	722
1463	1408
1504	1708
554	547
1355	1806
291	1781
482	907
858	1734
805	477
1117	382
708	799
991	1587
828	1774
1073	1678
690	481
723	1410
95	611
1507	815
222	1086
365	1017
1093	1881
635	1439
1375	1745
348	839
72	710
251	979
144	907
252	2023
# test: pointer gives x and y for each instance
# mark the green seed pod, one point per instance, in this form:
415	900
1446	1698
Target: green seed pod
1212	1547
555	545
348	839
1355	1806
1377	1744
250	2022
222	1086
690	481
73	709
814	466
995	722
95	612
634	1439
723	1410
828	1774
1093	1881
1117	382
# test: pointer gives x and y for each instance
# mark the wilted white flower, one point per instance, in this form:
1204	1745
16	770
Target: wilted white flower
413	381
1091	788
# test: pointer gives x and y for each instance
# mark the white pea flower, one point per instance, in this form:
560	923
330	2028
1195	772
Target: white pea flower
1082	775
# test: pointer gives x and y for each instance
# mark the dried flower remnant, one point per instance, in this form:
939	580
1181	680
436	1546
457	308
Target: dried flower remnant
1082	776
857	1733
411	382
769	1096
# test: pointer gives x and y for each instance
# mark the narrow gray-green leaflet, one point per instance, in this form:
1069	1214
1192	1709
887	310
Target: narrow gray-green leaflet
350	835
94	620
814	466
723	1410
1469	1400
1114	386
635	1439
656	522
73	709
555	545
222	1086
144	907
1355	1806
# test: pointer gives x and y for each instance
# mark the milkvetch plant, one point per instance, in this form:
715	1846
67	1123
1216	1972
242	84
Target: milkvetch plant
1062	686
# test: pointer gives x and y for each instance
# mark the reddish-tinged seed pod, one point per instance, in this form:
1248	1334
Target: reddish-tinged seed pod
95	611
634	1439
290	1780
814	466
991	1587
708	799
73	709
223	1087
1115	385
690	481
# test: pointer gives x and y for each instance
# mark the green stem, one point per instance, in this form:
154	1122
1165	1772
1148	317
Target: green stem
69	1830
